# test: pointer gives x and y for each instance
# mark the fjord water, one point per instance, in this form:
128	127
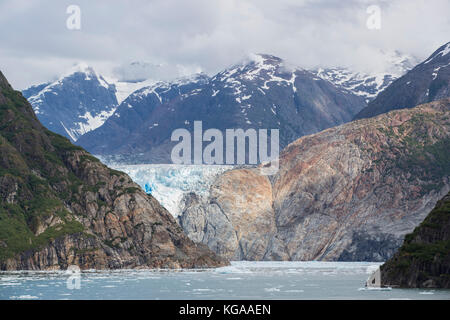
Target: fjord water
241	280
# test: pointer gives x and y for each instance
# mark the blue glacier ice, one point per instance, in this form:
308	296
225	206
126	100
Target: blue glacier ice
169	182
148	188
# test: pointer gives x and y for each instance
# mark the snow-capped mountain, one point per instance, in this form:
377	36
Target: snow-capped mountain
364	85
76	103
426	82
79	101
369	85
82	100
261	92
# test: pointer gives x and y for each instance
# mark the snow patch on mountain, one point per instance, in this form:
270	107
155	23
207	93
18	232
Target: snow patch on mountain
369	84
365	85
258	68
93	122
159	88
79	101
443	52
124	89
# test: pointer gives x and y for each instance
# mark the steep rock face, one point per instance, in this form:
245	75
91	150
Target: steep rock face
426	82
348	193
61	206
423	261
237	219
262	93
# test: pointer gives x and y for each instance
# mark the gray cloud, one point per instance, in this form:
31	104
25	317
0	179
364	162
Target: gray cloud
186	36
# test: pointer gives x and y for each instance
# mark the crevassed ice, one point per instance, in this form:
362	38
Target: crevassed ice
169	182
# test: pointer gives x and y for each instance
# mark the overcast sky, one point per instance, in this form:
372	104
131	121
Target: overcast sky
208	35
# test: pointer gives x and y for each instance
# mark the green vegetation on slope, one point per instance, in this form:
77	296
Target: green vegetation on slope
421	148
424	258
34	181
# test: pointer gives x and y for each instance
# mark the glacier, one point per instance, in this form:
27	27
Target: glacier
168	183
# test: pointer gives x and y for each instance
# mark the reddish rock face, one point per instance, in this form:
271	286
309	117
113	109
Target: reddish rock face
347	193
238	220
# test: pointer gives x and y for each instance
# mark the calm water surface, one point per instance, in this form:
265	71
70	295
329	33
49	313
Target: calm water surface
241	280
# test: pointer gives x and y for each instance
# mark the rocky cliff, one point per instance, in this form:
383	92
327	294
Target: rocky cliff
347	193
424	258
60	206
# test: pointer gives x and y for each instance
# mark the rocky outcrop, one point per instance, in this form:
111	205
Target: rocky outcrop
60	206
423	261
237	219
347	193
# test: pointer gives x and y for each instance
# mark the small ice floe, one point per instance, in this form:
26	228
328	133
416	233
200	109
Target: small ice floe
231	270
202	290
375	289
23	297
272	289
426	292
10	283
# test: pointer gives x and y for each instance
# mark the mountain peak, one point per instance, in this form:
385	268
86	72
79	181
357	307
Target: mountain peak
428	81
255	65
88	72
3	82
439	53
82	67
264	58
369	83
79	101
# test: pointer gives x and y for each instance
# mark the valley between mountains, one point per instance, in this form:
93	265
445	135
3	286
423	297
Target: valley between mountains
364	160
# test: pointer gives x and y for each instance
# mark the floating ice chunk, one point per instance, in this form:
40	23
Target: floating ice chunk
426	292
272	289
24	297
